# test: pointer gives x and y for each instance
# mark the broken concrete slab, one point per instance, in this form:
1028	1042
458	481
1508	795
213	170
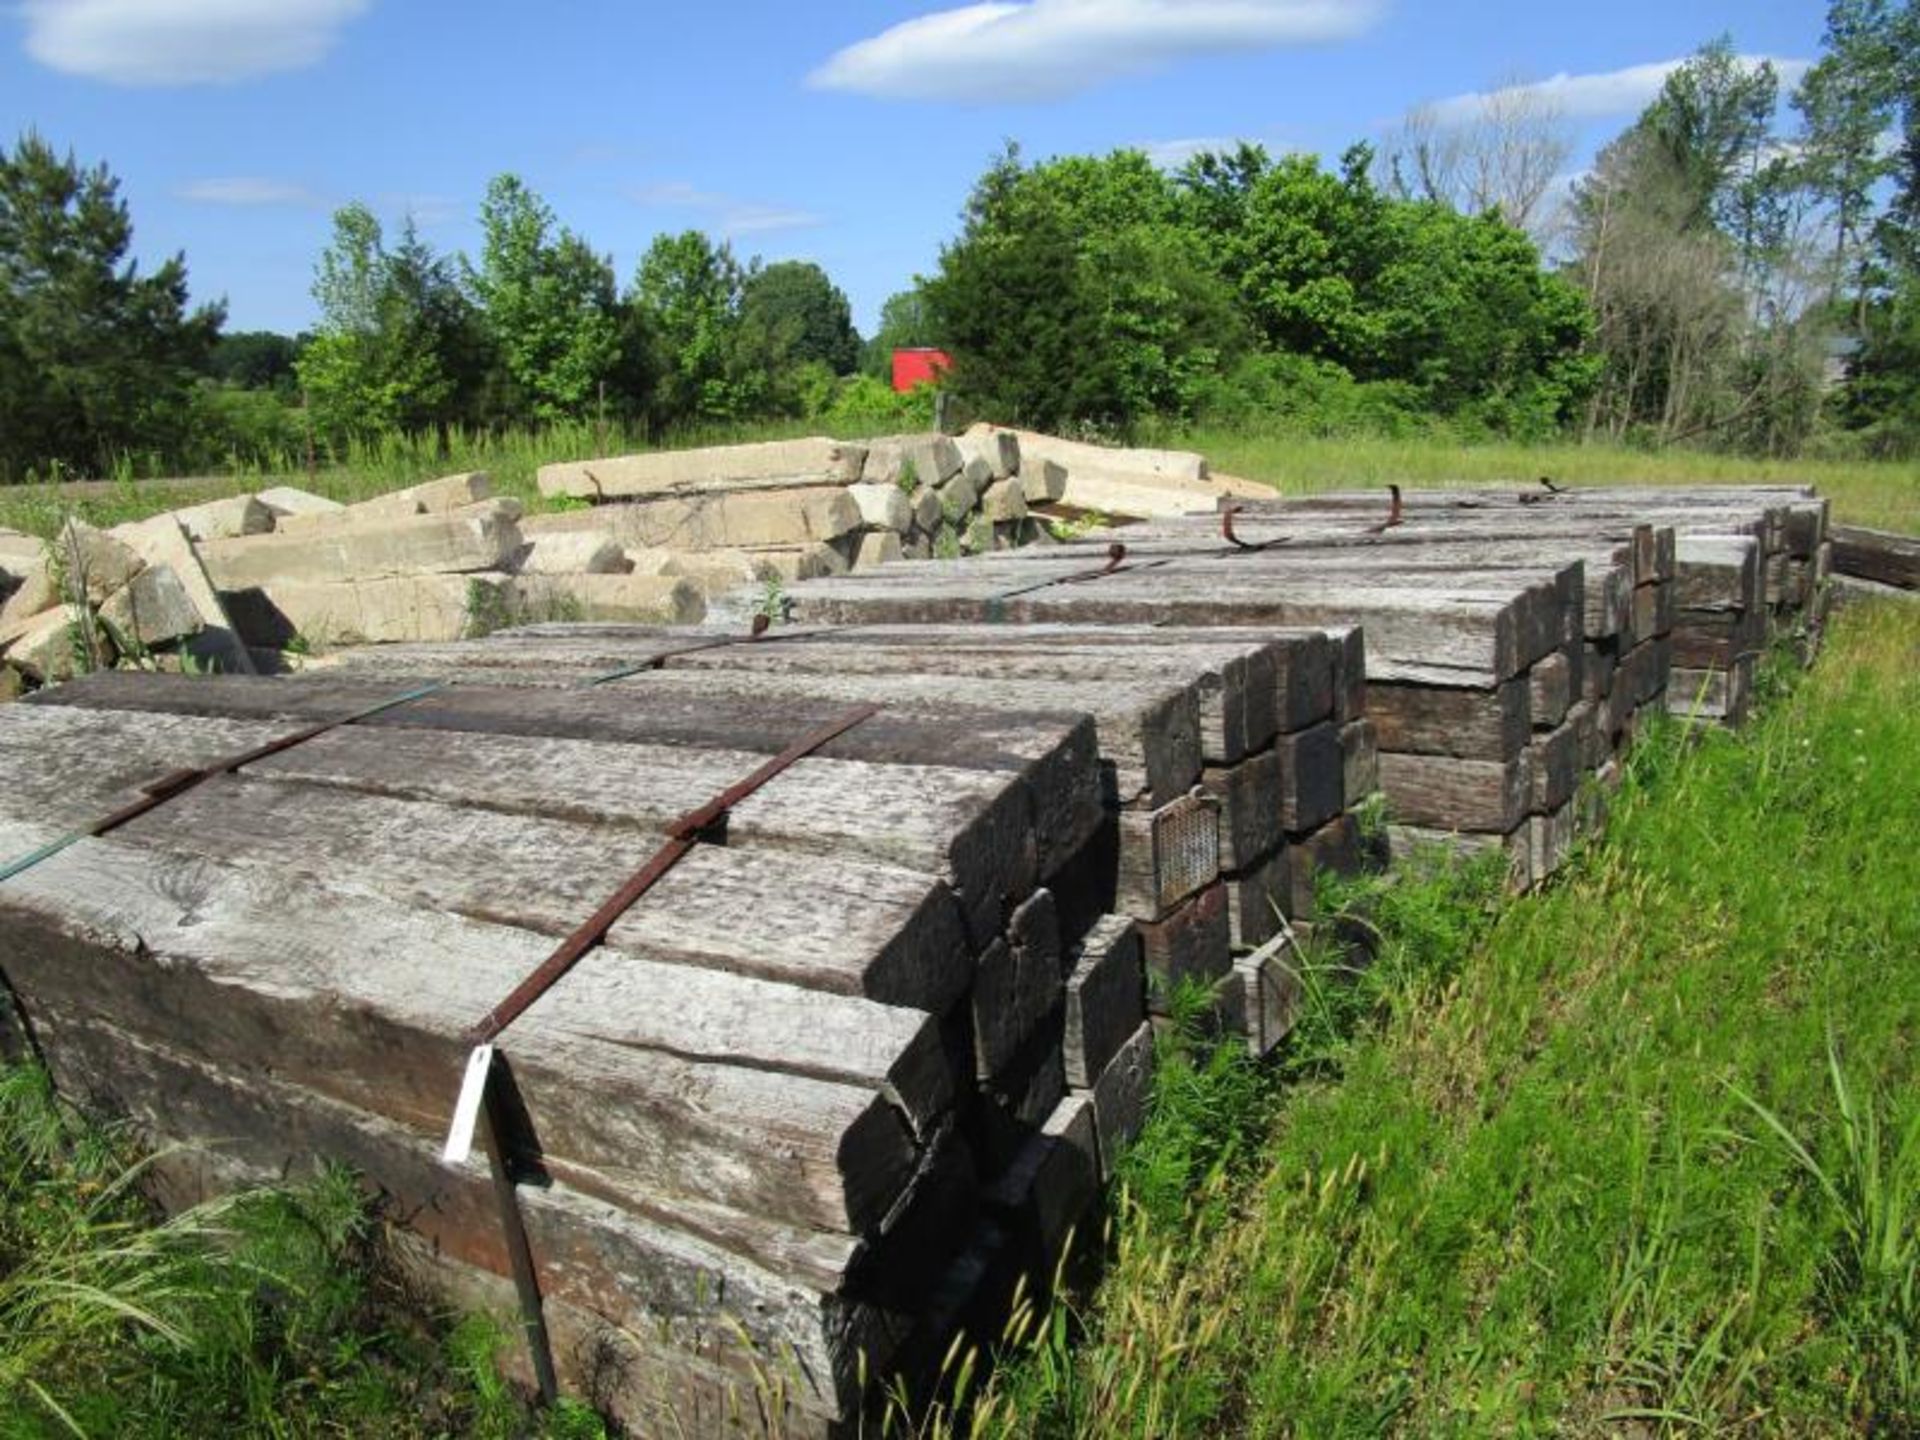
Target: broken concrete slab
715	522
770	465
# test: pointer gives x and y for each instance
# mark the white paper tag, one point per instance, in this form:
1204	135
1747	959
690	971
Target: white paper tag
466	1110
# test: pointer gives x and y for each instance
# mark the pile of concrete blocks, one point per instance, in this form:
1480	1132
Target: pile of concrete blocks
285	569
736	516
88	599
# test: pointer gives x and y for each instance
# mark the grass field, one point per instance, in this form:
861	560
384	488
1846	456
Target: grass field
1865	493
1639	1154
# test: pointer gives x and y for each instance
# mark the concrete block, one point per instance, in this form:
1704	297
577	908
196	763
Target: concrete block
435	497
999	449
42	646
367	550
978	472
796	562
1004	500
1044	481
716	522
445	496
932	457
884	507
631	599
34	594
216	520
773	464
958	498
217	640
877	547
927	510
430	608
155	608
285	500
103	561
580	552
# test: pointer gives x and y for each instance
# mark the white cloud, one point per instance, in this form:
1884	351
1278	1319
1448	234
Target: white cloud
1610	92
1044	49
183	42
1172	154
729	215
248	190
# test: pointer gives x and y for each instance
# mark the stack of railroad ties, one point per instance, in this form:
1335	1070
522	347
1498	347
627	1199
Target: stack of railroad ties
863	1055
1514	636
851	1067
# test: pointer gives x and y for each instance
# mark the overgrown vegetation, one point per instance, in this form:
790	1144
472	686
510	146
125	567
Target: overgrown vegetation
1639	1153
261	1314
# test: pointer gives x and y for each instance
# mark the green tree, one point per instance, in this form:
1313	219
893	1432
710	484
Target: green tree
1847	103
688	296
97	361
255	360
1076	292
804	315
548	303
1009	305
396	350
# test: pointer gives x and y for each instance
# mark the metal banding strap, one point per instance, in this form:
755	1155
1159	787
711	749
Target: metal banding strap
157	792
682	835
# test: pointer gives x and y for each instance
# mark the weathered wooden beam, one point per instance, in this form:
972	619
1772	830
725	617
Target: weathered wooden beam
1446	793
1450	720
367	1002
1877	555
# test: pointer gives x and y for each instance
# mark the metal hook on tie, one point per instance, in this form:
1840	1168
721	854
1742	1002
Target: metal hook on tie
1226	532
1394	516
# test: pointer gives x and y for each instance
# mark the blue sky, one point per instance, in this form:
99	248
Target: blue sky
845	133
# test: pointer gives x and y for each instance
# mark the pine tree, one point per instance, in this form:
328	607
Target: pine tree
97	361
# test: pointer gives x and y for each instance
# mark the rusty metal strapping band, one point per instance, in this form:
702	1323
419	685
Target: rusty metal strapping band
682	835
178	782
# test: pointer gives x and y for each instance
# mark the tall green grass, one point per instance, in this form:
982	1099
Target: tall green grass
1637	1154
264	1313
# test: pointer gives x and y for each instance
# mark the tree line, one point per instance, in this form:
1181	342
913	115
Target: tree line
1715	278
